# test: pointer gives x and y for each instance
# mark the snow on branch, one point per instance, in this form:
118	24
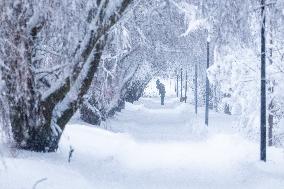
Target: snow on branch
90	55
52	69
190	14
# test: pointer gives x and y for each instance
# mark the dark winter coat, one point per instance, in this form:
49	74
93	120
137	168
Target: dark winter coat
161	88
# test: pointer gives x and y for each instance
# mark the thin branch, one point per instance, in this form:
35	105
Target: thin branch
38	182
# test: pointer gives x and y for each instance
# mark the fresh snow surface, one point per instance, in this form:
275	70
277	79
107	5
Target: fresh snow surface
148	146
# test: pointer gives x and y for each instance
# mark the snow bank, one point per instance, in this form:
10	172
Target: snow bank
149	146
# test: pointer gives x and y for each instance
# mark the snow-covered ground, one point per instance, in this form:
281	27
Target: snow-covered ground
148	146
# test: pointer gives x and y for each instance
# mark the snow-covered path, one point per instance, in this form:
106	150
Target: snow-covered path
149	146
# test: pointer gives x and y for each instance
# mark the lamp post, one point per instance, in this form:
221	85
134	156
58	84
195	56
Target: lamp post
195	86
180	83
207	84
263	88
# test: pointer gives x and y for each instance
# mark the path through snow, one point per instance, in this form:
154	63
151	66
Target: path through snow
148	146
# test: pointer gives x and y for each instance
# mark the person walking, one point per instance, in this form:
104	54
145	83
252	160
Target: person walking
162	91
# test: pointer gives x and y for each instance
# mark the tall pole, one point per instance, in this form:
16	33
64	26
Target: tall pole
180	83
263	88
175	87
185	95
177	84
195	90
207	88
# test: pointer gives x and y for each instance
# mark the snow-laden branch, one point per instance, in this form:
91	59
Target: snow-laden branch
52	69
130	75
190	14
91	56
108	72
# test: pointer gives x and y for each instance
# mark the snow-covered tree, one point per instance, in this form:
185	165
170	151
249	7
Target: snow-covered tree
236	69
50	52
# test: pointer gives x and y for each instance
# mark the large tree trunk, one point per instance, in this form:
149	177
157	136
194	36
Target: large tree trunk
38	122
